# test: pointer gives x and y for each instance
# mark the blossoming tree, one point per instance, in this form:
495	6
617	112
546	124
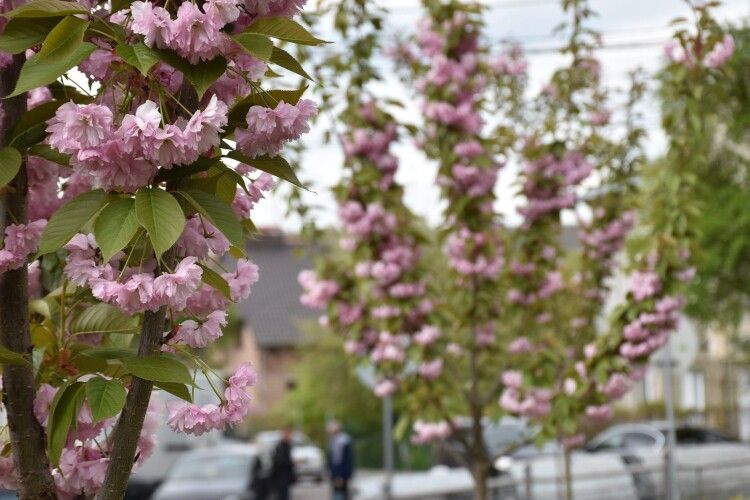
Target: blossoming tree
507	323
135	139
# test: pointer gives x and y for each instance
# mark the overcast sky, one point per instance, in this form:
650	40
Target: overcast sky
634	31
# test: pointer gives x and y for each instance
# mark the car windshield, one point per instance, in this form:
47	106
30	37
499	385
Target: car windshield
694	435
213	467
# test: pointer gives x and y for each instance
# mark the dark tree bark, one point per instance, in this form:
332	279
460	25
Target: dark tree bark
26	434
125	436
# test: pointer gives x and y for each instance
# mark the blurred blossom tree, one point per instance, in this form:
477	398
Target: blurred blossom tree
120	213
507	322
720	293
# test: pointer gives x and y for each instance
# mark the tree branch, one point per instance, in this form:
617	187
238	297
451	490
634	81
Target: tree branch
26	434
125	436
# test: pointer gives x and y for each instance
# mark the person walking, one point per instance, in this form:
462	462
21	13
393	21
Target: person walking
283	475
340	461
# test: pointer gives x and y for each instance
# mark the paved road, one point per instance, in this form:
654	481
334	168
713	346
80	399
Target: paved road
310	491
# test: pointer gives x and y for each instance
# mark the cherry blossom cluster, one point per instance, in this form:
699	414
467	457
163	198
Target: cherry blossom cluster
428	432
84	460
690	55
268	129
20	242
193	419
172	92
128	156
380	296
550	181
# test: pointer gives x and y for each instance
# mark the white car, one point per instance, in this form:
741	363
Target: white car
309	460
219	473
708	462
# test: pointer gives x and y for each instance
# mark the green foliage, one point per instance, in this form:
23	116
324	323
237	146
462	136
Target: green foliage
10	163
274	165
115	227
217	212
287	61
106	398
160	214
63	413
39	71
8	357
201	76
103	319
70	219
158	369
46	8
179	390
31	128
283	28
258	46
23	33
342	397
214	280
138	55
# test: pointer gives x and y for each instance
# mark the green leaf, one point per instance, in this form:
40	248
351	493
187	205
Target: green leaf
64	39
115	226
10	164
69	220
32	127
46	8
106	398
113	353
139	56
283	28
63	413
172	174
201	76
214	280
274	165
8	357
179	390
21	34
286	60
218	212
258	46
158	369
160	214
46	152
41	71
103	319
65	93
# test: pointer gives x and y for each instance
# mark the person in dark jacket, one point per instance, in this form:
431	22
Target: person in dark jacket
283	475
340	461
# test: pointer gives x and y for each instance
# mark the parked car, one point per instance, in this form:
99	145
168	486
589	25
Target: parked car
309	460
220	473
707	460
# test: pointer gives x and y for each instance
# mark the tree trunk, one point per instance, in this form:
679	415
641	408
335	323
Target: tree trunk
481	472
568	475
27	436
125	436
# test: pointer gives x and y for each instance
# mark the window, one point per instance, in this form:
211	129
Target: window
612	442
636	440
215	467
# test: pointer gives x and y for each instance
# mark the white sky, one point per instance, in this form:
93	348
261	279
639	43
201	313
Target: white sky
531	22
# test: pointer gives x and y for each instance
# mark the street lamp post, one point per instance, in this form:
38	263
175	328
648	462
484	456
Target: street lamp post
388	457
670	476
